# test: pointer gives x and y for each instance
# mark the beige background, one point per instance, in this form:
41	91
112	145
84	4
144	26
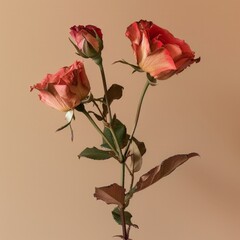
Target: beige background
46	192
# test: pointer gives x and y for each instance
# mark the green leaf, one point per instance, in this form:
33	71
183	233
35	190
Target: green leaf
162	170
117	217
113	93
120	132
96	154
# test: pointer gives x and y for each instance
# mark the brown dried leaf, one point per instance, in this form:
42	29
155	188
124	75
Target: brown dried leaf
136	157
141	146
113	93
113	194
162	170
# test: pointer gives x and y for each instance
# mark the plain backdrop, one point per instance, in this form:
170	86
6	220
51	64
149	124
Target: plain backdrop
46	192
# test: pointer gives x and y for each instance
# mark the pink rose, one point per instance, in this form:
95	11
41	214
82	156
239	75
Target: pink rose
157	51
65	89
88	40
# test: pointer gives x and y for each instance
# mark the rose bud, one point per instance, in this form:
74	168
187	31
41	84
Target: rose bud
157	51
65	89
88	40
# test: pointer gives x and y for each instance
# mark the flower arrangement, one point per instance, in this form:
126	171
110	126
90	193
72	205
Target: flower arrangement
159	55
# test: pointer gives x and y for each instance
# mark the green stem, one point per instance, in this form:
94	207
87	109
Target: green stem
137	117
125	232
105	90
123	173
132	180
110	122
116	144
99	110
124	227
99	131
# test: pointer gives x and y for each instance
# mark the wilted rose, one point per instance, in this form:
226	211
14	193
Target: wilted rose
157	51
88	40
65	89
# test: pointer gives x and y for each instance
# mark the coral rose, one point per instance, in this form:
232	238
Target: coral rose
157	51
65	89
88	40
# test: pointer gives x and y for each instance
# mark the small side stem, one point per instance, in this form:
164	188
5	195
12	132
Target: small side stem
99	131
99	110
132	180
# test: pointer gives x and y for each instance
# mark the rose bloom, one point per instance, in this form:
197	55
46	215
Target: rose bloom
157	51
65	89
88	40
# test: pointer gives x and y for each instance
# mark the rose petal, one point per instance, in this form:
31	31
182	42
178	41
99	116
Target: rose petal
158	62
65	89
157	51
174	50
133	33
52	101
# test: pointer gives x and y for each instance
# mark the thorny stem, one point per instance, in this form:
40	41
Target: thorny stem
121	158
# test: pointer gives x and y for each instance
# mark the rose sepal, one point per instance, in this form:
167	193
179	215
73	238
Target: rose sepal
152	81
79	52
135	67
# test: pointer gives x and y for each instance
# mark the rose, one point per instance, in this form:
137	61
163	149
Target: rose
88	40
65	89
157	51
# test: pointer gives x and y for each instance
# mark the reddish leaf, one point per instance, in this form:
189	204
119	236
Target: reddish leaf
162	170
114	92
113	194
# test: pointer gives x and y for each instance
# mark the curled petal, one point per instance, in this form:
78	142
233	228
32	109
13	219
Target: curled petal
65	89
